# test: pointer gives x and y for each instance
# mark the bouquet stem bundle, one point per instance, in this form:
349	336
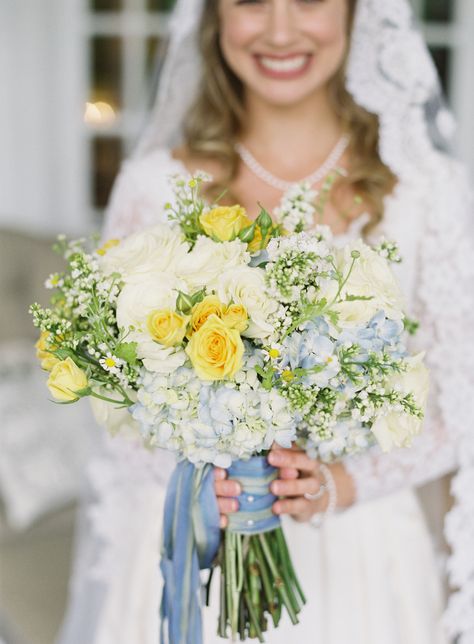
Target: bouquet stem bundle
257	581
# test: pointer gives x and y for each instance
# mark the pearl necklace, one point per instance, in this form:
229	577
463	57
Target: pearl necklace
280	184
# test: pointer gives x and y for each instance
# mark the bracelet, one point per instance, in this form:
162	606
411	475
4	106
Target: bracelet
330	485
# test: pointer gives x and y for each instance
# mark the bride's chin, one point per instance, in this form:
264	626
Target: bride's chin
285	97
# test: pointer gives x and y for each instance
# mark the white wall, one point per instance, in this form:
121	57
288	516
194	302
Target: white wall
41	99
463	81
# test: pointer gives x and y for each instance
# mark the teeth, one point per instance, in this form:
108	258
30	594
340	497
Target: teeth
286	65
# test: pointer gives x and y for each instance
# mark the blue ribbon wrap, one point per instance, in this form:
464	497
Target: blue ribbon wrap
255	501
191	536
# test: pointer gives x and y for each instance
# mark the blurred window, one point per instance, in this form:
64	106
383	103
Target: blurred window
438	10
105	5
124	38
106	155
438	21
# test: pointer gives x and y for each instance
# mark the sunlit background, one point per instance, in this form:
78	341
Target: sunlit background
76	77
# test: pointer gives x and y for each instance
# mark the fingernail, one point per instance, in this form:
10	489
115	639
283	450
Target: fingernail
275	458
276	488
222	522
236	489
276	508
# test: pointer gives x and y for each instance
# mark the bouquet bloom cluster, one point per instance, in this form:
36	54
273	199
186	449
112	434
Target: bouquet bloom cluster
223	335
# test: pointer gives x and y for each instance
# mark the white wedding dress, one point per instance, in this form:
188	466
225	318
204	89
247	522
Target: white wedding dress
369	573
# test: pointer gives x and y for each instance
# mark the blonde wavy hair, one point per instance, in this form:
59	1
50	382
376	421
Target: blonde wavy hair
215	120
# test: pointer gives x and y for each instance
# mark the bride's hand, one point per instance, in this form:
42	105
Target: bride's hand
226	491
298	475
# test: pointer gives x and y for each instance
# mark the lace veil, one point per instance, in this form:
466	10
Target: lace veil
390	73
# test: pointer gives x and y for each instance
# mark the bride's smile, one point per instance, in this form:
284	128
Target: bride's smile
284	50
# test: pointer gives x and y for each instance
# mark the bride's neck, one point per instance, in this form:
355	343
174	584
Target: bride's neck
275	131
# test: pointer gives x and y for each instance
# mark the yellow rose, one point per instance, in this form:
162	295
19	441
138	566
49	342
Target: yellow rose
43	349
236	317
215	350
66	379
167	327
224	222
210	305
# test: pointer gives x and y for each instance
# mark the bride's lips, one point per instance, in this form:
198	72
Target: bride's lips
283	67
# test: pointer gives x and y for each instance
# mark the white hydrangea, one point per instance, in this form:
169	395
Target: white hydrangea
208	423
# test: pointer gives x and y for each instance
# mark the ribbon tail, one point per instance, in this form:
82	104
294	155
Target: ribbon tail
191	539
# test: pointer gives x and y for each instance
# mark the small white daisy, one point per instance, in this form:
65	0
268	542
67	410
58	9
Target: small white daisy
111	363
273	352
54	281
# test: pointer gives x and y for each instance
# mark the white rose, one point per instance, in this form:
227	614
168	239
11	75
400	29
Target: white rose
371	276
209	259
114	419
246	285
138	299
155	356
397	429
156	249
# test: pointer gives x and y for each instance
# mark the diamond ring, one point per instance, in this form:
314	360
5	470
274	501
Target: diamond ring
316	495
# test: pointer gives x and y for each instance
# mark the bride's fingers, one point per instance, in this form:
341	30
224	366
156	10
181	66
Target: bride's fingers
288	473
227	488
288	458
299	505
219	474
227	505
298	487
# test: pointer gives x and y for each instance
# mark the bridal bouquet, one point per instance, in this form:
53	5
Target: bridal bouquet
222	336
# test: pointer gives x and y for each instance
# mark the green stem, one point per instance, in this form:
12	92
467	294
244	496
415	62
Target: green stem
280	584
253	581
222	595
253	617
125	402
284	549
266	583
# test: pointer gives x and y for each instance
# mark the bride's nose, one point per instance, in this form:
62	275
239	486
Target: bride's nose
281	24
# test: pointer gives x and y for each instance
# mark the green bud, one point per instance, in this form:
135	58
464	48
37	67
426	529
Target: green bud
264	220
355	254
184	302
247	234
198	296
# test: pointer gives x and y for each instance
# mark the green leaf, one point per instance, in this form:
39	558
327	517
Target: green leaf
411	326
62	354
333	316
198	296
184	302
127	351
355	298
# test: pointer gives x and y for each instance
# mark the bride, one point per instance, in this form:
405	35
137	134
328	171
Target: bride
262	93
